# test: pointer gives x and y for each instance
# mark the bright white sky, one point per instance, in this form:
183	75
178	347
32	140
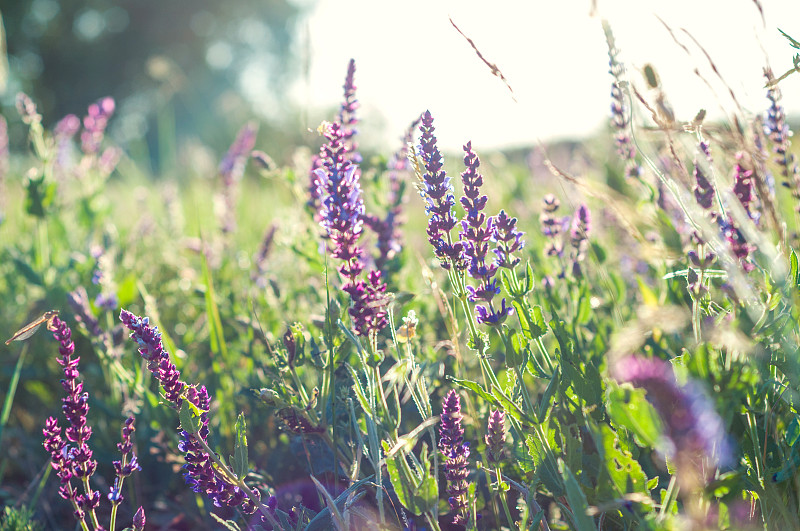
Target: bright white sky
409	58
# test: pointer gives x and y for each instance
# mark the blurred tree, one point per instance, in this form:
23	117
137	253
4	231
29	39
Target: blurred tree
208	62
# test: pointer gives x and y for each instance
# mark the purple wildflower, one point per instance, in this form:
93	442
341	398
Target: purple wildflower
231	169
776	128
259	275
342	206
387	229
620	115
94	125
496	437
103	276
703	189
347	120
200	475
347	114
438	192
342	213
476	232
743	184
70	455
456	453
127	465
579	238
79	302
693	429
740	248
553	225
508	240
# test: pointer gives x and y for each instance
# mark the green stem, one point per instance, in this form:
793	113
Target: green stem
669	496
503	499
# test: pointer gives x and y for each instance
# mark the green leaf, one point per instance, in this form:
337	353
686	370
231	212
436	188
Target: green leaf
240	461
544	403
545	465
415	488
652	483
629	408
189	416
793	268
577	499
626	473
793	432
475	388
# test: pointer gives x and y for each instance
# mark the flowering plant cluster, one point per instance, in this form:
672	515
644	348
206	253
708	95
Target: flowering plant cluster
635	359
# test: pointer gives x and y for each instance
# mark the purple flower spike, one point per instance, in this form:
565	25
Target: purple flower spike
776	128
743	184
342	217
508	240
347	113
703	189
620	115
438	192
152	349
387	230
693	429
476	232
456	453
201	475
347	121
496	437
579	238
70	454
231	169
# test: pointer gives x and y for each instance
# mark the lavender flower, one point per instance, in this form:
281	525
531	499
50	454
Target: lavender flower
94	125
127	465
387	229
740	248
342	213
342	206
694	431
79	302
703	189
347	120
552	225
70	454
743	184
496	437
456	453
200	475
231	169
508	240
476	232
438	192
776	128
347	114
103	276
620	116
579	238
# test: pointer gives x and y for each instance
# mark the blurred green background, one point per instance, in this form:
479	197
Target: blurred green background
176	69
